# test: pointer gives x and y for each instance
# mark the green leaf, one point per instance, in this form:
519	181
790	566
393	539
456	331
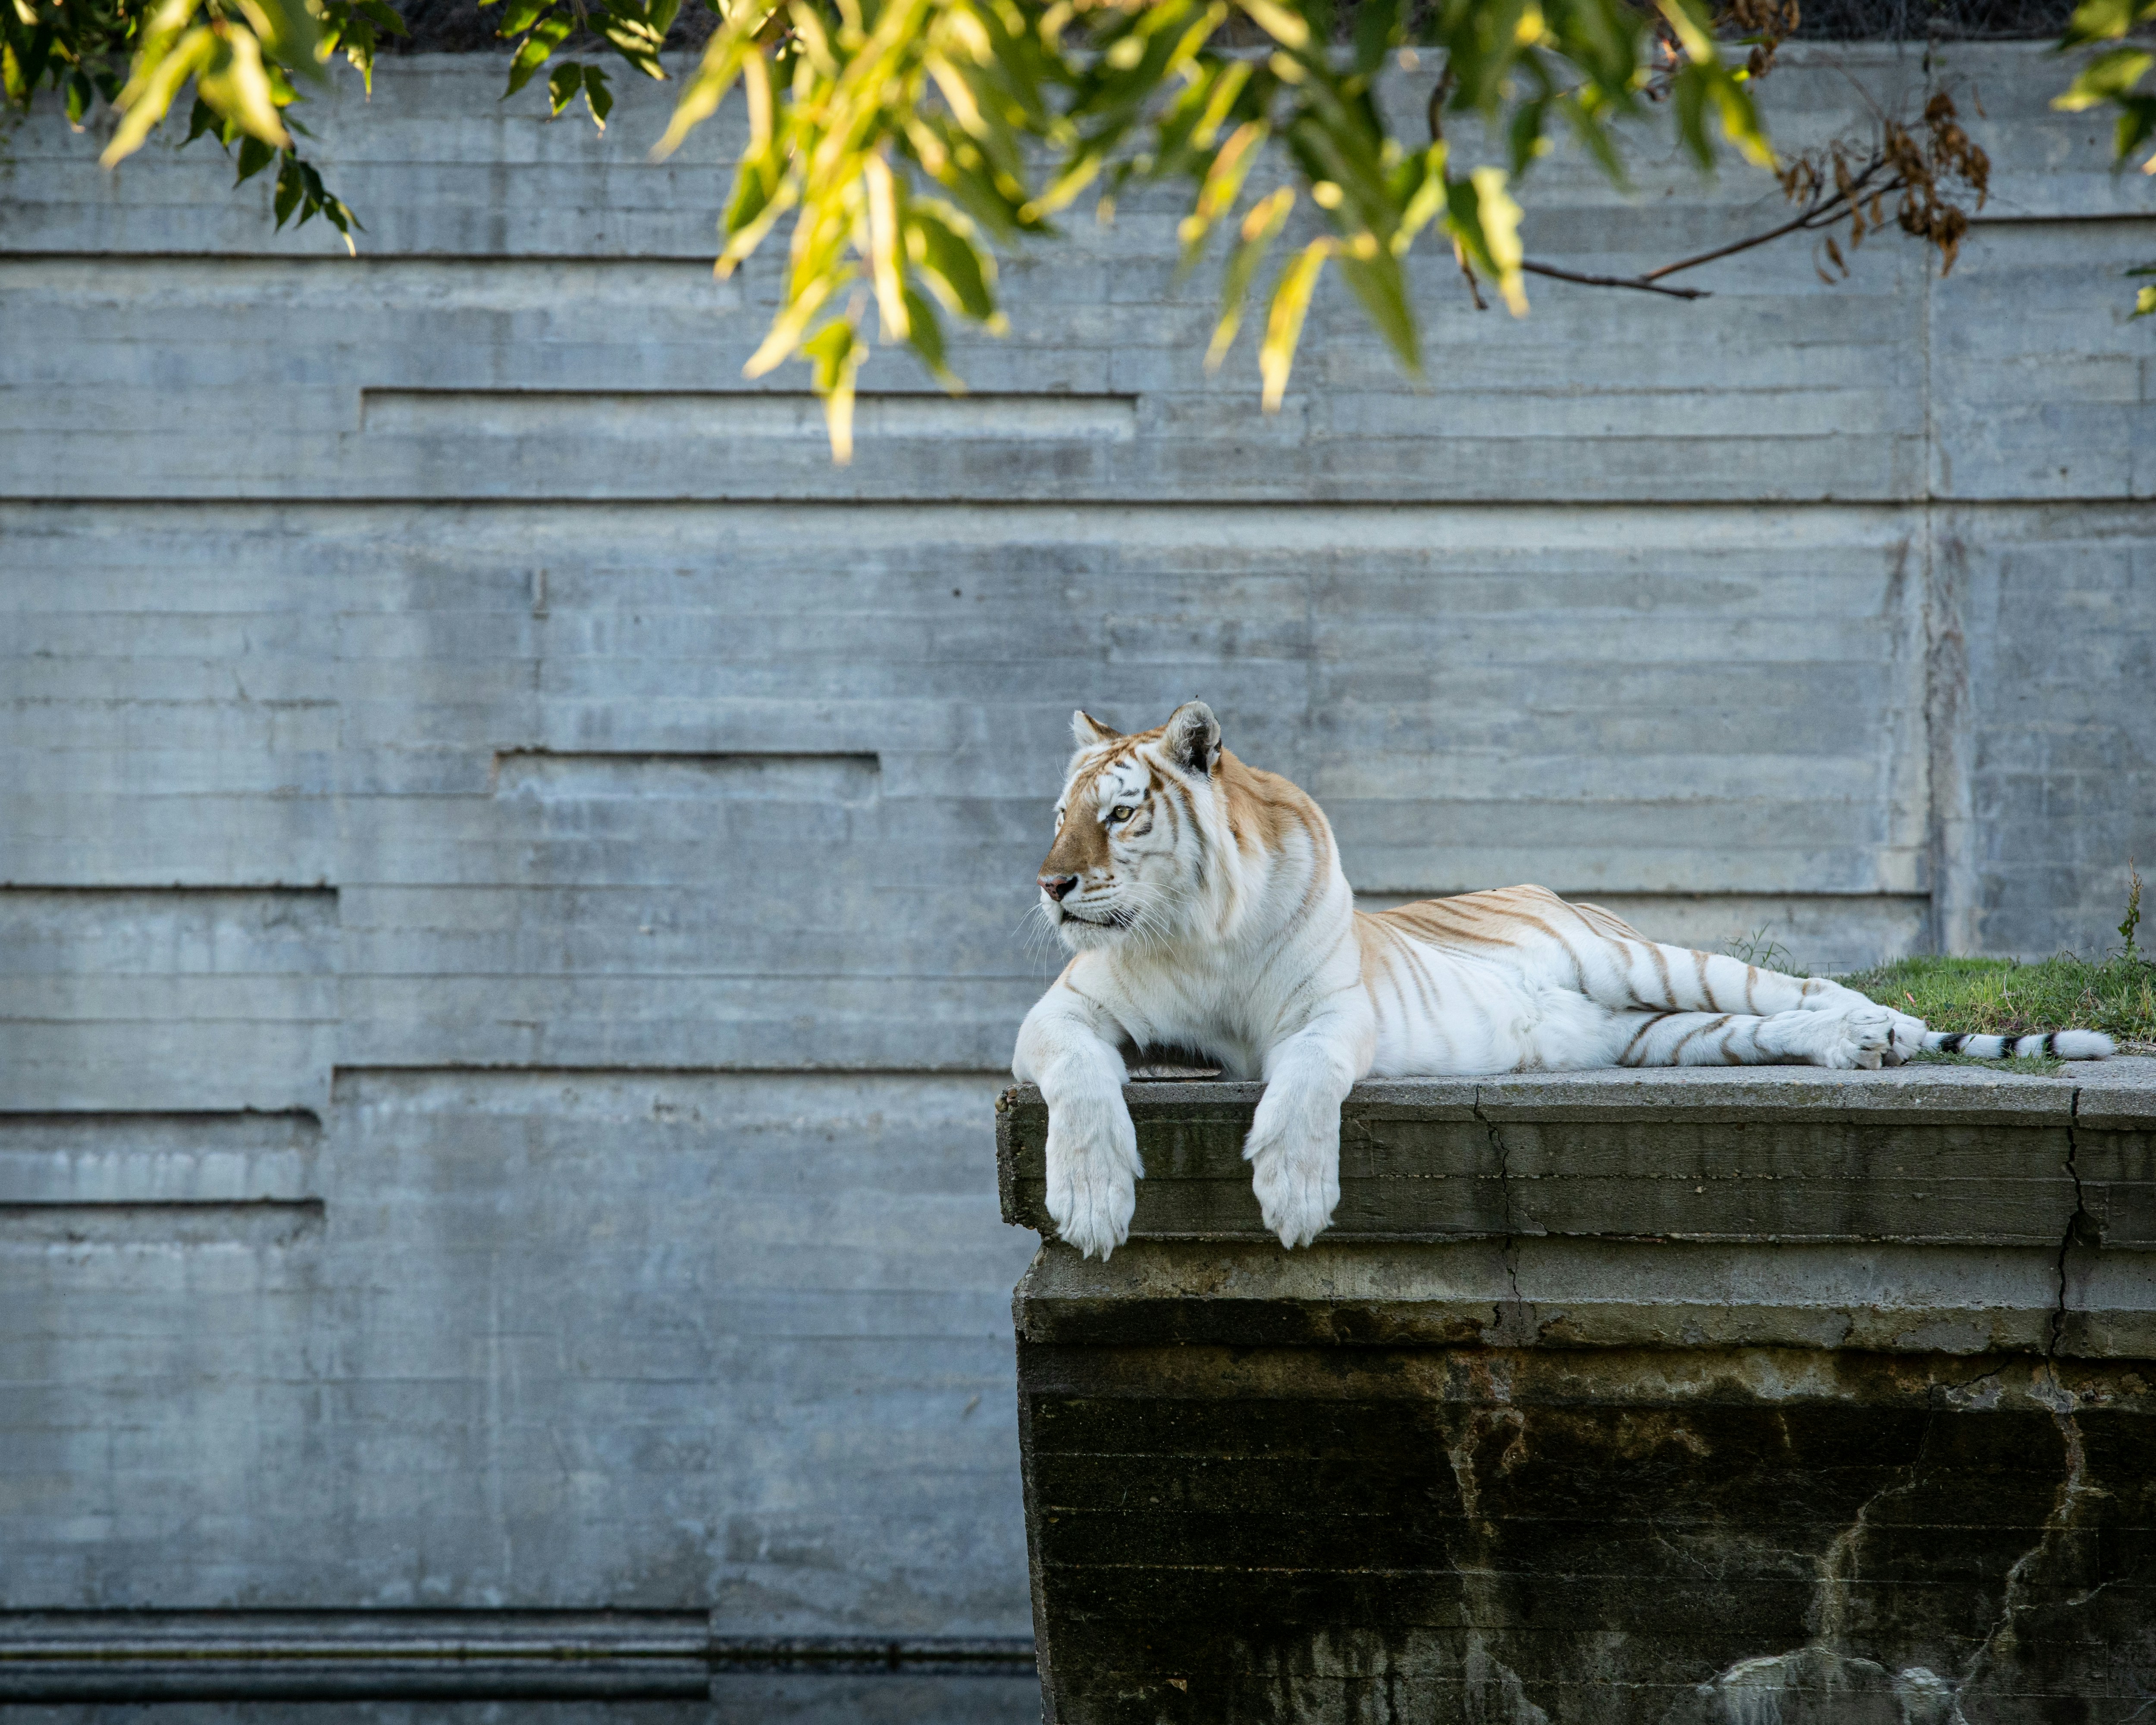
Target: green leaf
1377	282
1688	92
952	259
756	202
1261	226
13	86
2137	124
732	44
1524	137
786	331
1291	301
288	28
2103	21
1377	26
598	97
886	265
2106	77
925	336
169	55
234	82
562	84
836	353
631	35
255	156
1482	215
1597	139
1217	193
1285	25
547	35
521	15
292	187
35	57
1418	188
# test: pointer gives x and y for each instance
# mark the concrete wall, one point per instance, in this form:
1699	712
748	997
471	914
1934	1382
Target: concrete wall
514	864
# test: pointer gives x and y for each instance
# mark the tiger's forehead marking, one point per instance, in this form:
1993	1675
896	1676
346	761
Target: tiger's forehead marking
1123	780
1118	777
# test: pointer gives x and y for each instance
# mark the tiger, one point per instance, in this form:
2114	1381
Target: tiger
1204	908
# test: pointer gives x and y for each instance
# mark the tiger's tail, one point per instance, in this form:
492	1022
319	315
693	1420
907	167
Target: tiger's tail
2061	1044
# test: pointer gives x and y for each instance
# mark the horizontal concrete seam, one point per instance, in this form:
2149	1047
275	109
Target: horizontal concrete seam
723	1650
541	1070
141	1117
18	1206
975	502
258	888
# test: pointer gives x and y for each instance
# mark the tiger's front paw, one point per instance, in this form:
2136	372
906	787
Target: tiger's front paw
1297	1182
1855	1037
1907	1037
1092	1174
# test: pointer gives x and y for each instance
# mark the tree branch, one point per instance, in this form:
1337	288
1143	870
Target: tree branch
1643	284
1820	213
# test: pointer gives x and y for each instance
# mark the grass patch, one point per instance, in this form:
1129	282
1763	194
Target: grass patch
2000	997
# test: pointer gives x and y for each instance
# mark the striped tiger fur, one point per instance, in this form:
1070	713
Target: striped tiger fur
2061	1044
1204	907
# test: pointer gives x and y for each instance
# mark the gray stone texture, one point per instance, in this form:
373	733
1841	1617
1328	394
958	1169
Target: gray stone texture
1668	1397
514	864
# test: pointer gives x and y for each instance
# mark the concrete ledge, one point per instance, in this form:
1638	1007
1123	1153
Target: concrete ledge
1571	1293
1939	1154
1712	1397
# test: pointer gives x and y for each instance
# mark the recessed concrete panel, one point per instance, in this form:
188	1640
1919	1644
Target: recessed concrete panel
541	1339
184	997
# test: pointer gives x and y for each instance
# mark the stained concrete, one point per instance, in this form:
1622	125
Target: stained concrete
1535	1461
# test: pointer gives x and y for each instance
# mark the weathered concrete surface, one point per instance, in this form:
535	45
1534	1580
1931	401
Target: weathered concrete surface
1924	1154
1648	1468
499	998
1883	679
518	1338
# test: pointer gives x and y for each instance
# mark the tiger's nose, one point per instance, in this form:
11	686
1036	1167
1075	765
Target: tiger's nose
1057	886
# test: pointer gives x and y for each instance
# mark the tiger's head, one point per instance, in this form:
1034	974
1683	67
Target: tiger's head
1133	828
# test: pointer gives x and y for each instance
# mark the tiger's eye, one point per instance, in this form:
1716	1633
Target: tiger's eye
1122	811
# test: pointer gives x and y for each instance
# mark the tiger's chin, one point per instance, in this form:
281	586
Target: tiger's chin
1091	930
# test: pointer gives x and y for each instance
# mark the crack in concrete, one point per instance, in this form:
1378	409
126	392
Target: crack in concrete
1508	1252
2073	1223
1830	1628
1963	1389
2063	1405
1496	1692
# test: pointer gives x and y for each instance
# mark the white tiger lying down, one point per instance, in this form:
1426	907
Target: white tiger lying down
1205	906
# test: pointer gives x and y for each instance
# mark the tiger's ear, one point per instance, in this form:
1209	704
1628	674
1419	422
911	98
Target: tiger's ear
1193	738
1085	730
